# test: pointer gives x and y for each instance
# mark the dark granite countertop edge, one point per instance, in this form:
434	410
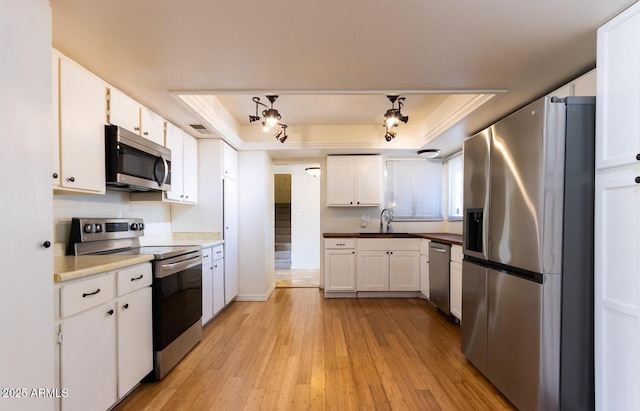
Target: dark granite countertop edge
447	238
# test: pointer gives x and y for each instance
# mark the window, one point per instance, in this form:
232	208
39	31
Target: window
455	187
414	189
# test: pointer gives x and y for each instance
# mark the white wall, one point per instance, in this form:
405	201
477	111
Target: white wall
114	204
255	226
26	293
305	219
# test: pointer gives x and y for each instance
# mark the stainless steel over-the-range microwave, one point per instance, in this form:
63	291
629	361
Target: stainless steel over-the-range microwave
134	163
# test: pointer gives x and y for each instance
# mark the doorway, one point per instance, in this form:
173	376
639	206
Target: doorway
297	226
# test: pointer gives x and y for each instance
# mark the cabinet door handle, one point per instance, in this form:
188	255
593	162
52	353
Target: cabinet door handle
215	266
146	133
638	180
390	252
137	278
353	252
136	128
110	312
72	179
88	294
124	307
46	244
55	175
638	157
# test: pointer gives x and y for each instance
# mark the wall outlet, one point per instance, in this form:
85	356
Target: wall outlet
364	220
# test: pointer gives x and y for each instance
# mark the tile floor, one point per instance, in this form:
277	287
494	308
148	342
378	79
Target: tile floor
297	278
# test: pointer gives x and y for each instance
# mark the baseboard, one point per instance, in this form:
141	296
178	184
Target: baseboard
256	297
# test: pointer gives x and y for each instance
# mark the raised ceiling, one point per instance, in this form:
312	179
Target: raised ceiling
333	62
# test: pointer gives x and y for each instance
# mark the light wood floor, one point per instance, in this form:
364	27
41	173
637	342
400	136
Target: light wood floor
298	351
297	278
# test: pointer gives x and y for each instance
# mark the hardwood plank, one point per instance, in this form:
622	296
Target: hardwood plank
300	351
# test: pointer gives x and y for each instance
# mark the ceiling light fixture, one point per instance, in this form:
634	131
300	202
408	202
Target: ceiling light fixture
270	118
314	171
393	117
429	153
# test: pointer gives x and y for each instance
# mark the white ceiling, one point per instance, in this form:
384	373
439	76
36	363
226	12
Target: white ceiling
332	62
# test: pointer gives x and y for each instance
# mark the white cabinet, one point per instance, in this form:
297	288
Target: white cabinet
207	285
218	279
82	108
585	85
88	359
105	336
617	214
184	166
175	143
424	267
354	180
373	270
190	169
88	343
339	265
131	115
455	279
135	339
229	162
55	132
184	170
230	220
388	264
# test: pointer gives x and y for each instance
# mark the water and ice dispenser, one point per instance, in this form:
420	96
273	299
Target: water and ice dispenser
474	219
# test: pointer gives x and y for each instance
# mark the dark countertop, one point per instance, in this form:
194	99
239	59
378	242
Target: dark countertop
447	238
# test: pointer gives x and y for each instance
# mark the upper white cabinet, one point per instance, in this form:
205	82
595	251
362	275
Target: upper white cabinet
131	115
184	170
82	108
229	162
175	143
55	132
354	180
617	214
618	108
190	169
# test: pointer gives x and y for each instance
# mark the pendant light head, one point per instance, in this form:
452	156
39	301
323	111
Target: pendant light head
393	117
270	118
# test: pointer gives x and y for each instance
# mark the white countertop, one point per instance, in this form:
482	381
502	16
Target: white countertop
71	267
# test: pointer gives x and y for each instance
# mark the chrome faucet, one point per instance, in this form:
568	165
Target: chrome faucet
390	217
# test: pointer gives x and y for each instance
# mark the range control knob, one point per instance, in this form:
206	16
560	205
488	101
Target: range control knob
134	227
141	226
88	228
98	228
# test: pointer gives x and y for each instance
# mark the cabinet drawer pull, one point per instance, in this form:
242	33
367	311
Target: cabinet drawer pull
137	278
110	312
638	157
124	307
340	244
88	294
638	180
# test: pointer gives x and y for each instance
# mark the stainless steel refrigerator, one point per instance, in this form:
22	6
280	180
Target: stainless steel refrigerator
527	275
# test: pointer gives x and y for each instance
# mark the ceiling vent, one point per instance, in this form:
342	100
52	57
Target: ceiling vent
201	129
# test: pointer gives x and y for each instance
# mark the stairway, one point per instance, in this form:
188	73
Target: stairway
283	236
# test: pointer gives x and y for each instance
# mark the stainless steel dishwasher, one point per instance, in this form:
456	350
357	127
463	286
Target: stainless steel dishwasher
439	258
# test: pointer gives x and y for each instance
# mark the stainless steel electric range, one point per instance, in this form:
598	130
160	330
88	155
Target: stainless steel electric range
177	282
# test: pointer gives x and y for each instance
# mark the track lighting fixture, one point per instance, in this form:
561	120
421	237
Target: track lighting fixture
270	118
393	117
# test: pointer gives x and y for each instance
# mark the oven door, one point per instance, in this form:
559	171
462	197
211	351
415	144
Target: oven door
177	297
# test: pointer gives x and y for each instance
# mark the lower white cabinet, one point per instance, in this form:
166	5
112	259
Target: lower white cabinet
207	285
340	265
135	339
105	336
212	282
424	267
388	264
455	279
218	278
88	359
